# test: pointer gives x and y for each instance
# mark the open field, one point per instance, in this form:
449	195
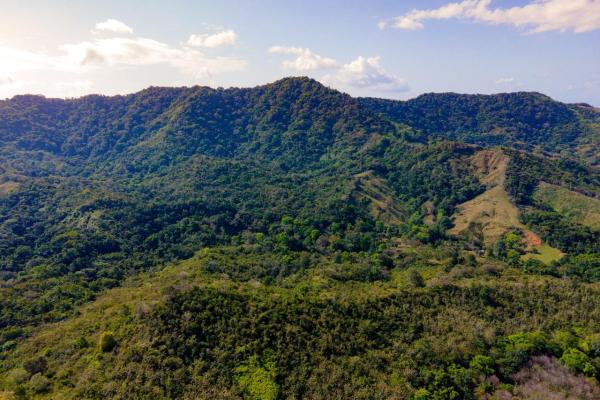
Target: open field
577	207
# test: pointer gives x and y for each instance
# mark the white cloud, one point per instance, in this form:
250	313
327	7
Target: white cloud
221	39
113	25
505	80
538	16
366	73
143	51
114	52
306	60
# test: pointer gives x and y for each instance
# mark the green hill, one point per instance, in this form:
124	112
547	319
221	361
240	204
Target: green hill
290	241
525	120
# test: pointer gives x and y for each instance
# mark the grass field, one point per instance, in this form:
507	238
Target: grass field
545	254
492	211
575	206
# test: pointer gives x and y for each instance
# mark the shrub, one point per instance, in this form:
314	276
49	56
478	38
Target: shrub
565	340
36	365
39	383
17	376
482	365
257	381
577	360
415	279
592	345
422	394
107	342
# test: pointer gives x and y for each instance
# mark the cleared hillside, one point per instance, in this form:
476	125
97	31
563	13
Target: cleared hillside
579	208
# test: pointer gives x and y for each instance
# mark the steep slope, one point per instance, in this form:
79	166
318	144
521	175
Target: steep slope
383	202
492	214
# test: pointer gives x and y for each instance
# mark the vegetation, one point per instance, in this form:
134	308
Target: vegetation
290	241
578	208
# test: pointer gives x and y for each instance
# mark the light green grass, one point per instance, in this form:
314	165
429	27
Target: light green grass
575	206
545	254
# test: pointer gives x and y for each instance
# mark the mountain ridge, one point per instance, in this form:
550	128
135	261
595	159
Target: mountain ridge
292	197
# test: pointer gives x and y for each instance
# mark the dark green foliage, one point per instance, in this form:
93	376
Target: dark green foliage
431	174
516	119
563	234
584	266
525	172
288	184
107	342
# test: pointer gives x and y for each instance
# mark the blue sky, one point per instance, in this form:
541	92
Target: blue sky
395	49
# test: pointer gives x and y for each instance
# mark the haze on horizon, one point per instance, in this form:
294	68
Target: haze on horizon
383	48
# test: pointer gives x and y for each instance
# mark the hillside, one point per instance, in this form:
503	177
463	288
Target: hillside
526	120
492	212
577	207
290	241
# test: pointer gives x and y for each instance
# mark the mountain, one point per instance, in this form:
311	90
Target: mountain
525	120
291	241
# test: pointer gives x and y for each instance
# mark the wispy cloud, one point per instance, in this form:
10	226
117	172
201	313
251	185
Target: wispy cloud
501	81
113	25
114	51
538	16
143	51
221	39
305	59
6	80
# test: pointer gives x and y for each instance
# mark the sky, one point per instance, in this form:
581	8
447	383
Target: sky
384	48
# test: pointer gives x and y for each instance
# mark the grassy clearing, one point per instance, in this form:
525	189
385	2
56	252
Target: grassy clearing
575	206
545	254
491	214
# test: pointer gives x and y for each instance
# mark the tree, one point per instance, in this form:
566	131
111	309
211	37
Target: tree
415	279
107	342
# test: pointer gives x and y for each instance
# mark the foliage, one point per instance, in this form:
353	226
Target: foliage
107	342
314	232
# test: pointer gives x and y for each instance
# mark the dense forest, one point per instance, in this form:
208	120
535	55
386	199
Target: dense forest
291	241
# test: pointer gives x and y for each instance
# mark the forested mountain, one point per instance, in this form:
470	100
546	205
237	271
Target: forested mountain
291	241
524	119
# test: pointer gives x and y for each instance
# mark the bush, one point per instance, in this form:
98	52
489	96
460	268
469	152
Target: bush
565	340
483	365
416	279
36	365
578	361
39	383
256	381
107	342
17	376
422	394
